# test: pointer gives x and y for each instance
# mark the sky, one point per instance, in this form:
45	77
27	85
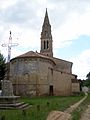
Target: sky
70	25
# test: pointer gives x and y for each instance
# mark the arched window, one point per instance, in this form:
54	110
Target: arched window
44	44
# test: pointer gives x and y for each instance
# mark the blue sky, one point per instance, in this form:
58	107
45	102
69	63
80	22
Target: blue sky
75	48
70	24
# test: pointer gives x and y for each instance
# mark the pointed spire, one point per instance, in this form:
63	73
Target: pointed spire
46	28
46	19
46	14
46	37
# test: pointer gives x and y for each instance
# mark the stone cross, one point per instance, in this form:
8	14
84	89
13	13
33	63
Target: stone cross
9	45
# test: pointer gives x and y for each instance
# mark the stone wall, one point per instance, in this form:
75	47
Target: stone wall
30	76
75	87
38	76
44	80
62	83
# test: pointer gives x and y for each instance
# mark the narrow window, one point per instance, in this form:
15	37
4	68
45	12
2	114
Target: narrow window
47	44
44	45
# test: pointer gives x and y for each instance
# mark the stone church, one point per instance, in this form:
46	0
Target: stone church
35	74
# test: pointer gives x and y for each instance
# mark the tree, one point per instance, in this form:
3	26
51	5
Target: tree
88	76
86	83
2	67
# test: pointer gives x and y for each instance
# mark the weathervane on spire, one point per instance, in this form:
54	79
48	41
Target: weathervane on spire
9	45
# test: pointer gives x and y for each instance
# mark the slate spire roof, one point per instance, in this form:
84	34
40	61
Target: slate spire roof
46	18
46	28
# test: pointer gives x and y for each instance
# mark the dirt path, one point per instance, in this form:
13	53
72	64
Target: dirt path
73	107
58	115
86	114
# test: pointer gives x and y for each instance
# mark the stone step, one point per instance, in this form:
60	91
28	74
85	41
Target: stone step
12	102
12	105
23	106
5	107
19	105
27	107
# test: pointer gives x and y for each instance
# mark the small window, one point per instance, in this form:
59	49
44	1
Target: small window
44	44
47	44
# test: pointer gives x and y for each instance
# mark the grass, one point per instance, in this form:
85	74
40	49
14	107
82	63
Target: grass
81	108
41	106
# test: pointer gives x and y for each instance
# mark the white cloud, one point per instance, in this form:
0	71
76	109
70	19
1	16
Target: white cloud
25	38
69	20
81	64
6	3
75	26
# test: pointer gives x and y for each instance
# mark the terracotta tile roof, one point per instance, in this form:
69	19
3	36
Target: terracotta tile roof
62	60
28	54
31	54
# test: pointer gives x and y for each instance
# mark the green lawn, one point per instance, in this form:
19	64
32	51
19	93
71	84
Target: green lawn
82	107
41	106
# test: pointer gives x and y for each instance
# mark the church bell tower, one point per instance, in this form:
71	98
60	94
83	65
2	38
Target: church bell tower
46	37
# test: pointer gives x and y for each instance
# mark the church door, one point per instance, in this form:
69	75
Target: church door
51	89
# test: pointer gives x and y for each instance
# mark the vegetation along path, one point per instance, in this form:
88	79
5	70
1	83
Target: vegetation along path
66	115
86	114
73	107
